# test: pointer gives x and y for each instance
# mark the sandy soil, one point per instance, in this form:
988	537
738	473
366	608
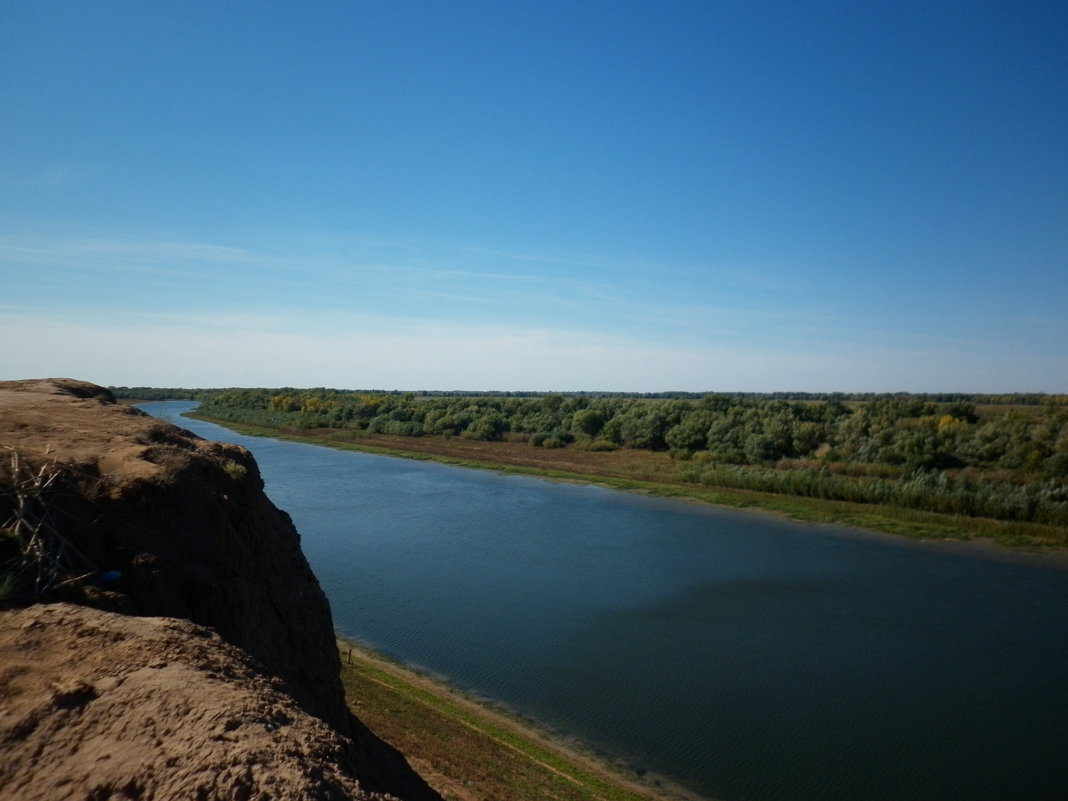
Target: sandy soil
99	705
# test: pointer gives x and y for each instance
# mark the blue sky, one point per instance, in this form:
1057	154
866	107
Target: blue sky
643	196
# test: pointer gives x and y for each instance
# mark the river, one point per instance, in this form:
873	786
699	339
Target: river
747	657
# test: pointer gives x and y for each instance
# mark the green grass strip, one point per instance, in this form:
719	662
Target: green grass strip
543	768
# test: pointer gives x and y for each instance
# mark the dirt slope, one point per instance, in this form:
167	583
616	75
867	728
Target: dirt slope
135	517
102	705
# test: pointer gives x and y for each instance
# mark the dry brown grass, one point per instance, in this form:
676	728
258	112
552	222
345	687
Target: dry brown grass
622	463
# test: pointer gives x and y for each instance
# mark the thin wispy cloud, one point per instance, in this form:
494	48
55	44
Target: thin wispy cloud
432	288
55	176
120	254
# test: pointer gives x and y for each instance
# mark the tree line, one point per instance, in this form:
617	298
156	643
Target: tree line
999	399
903	432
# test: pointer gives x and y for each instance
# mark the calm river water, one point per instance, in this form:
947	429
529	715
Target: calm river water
747	657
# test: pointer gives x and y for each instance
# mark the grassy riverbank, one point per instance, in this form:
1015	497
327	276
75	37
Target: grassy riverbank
470	751
656	474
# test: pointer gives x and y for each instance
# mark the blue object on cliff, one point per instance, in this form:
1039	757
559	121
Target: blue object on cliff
109	576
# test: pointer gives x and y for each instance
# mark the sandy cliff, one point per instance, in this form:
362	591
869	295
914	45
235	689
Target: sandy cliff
163	636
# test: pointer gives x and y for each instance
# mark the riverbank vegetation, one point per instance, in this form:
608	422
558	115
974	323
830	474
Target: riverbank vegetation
470	751
966	459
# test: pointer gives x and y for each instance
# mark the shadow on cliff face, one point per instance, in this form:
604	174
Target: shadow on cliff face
110	508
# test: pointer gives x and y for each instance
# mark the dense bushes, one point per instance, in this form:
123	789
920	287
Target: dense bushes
1040	501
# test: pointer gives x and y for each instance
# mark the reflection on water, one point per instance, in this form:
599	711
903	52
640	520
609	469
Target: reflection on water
749	657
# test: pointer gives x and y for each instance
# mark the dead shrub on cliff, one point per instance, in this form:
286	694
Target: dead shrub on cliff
35	558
